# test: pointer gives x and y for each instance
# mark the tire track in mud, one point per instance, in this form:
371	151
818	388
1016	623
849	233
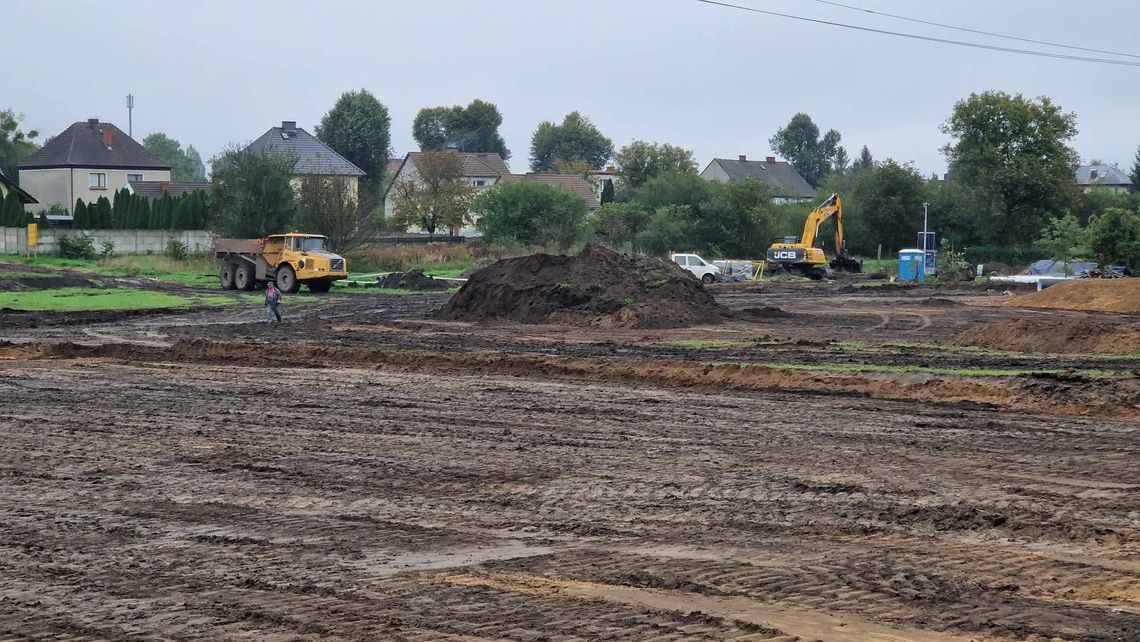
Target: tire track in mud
142	499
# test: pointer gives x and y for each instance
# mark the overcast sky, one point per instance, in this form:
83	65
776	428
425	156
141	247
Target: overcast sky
714	80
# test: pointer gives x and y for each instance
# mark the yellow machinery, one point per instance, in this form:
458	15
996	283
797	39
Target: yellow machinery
289	259
799	254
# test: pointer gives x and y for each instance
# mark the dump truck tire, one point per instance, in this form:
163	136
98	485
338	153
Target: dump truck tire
287	280
228	282
319	287
244	278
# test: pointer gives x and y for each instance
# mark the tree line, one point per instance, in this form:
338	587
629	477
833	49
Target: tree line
128	211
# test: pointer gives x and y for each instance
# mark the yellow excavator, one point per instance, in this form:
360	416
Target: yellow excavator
799	254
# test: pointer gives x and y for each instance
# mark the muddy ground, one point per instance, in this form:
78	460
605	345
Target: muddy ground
366	472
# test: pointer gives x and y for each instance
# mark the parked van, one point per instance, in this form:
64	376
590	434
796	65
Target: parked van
702	269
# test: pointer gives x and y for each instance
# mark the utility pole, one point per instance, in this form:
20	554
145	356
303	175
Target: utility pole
130	115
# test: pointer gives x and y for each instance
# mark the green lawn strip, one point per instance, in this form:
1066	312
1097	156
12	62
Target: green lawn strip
951	372
86	299
192	273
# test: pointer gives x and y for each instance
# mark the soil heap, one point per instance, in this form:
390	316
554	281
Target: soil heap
1057	336
598	287
1095	295
414	280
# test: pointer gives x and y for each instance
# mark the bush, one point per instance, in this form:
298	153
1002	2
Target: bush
1010	255
77	247
175	249
107	249
1115	236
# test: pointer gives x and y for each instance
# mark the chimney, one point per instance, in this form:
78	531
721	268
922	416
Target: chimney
107	137
289	125
770	160
1092	174
92	121
743	157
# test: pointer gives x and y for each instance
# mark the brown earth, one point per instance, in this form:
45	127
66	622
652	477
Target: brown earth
364	472
597	287
414	280
1091	295
1054	336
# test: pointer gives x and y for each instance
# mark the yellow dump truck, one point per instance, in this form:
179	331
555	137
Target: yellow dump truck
288	259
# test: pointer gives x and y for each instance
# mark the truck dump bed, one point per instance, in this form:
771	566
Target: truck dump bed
239	246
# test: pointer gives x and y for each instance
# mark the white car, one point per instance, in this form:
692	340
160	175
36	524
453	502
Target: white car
702	269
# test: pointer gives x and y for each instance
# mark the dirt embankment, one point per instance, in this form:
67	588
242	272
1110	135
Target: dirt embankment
598	287
1089	295
414	280
1054	336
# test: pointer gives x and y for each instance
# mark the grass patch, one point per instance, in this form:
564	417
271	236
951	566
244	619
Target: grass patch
87	299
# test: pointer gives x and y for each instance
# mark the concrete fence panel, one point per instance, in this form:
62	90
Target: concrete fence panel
14	240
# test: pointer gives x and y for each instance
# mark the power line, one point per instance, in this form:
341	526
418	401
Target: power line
977	31
945	41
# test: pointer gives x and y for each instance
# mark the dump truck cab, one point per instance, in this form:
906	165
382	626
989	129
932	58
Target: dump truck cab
288	259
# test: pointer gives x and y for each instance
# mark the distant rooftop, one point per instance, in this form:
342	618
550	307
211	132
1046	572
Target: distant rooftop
313	156
1103	175
96	145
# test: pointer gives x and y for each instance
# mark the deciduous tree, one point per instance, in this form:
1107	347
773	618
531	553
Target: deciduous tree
619	223
1016	152
330	206
474	128
358	127
1115	235
251	196
15	144
640	161
575	139
436	197
799	142
531	213
183	165
890	198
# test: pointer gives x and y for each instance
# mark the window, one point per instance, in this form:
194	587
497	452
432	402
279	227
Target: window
97	180
679	260
480	183
134	177
310	244
696	261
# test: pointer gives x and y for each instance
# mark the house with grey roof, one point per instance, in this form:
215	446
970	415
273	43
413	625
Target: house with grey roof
786	183
1101	176
9	185
314	158
87	160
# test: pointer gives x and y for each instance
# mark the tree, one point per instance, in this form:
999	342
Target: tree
331	207
800	143
474	128
12	212
673	188
251	195
531	213
889	197
1115	235
1135	175
1014	153
864	162
607	192
575	139
15	144
619	223
1064	239
183	166
80	218
437	197
840	163
358	127
101	214
669	229
640	161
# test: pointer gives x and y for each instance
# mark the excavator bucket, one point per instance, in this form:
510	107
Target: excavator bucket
846	264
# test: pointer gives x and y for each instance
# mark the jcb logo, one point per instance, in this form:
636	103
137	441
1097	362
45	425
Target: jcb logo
784	254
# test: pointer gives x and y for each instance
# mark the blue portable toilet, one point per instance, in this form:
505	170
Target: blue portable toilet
912	265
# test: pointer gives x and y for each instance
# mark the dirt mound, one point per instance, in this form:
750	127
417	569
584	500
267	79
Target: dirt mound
1097	295
598	287
414	280
42	282
1053	336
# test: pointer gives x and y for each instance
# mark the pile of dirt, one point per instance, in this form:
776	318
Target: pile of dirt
47	281
414	280
1095	295
598	287
1053	336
